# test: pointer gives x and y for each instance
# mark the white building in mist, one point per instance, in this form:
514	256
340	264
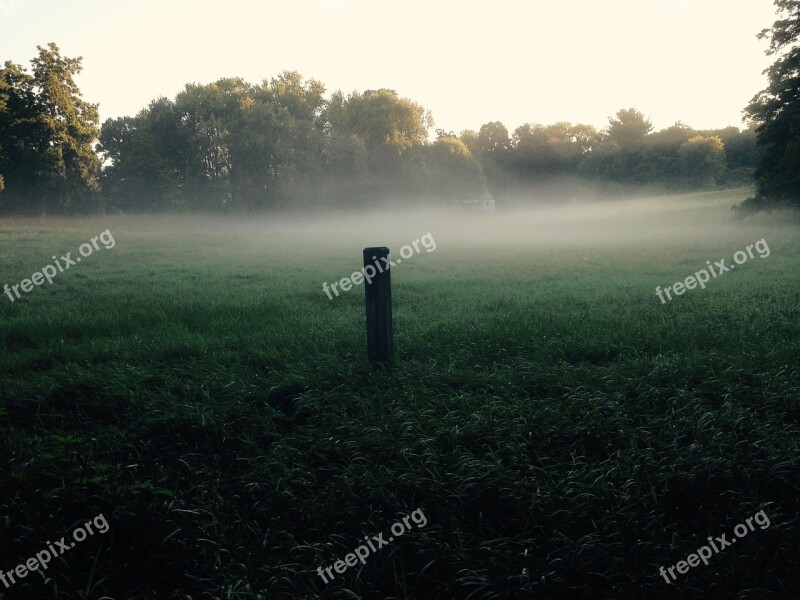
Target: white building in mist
483	202
487	203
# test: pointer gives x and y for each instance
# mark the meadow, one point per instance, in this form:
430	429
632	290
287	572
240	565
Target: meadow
565	433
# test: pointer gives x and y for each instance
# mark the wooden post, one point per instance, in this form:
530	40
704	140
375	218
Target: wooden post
378	295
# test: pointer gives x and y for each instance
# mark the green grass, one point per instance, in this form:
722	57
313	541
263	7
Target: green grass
564	432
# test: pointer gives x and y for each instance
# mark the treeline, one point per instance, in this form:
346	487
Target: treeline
233	145
627	154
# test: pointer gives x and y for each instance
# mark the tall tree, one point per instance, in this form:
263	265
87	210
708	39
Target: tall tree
493	138
471	139
453	173
299	106
629	128
385	121
3	111
494	146
146	158
776	111
549	150
47	135
702	161
387	130
73	124
23	142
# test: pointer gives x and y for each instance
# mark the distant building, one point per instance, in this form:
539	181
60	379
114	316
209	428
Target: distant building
483	202
487	202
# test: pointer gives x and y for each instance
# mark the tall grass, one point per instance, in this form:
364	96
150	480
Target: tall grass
564	432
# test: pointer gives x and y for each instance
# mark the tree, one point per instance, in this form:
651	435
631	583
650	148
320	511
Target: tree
3	110
47	136
671	137
550	150
454	174
299	107
585	137
23	142
147	159
471	139
659	160
259	151
388	131
702	161
629	129
493	152
493	138
73	124
205	113
382	119
776	112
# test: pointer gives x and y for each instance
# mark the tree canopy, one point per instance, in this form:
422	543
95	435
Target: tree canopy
629	128
776	111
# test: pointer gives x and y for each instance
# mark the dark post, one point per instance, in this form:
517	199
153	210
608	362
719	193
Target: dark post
378	293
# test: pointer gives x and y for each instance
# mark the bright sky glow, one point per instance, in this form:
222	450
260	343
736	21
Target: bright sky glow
468	62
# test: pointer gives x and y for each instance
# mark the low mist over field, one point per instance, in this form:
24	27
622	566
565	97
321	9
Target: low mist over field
637	221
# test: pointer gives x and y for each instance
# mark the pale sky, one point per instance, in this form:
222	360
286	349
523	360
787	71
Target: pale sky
469	62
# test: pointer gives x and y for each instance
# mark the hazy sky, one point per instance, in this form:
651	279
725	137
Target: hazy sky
469	62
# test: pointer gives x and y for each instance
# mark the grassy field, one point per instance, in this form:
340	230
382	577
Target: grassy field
564	432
